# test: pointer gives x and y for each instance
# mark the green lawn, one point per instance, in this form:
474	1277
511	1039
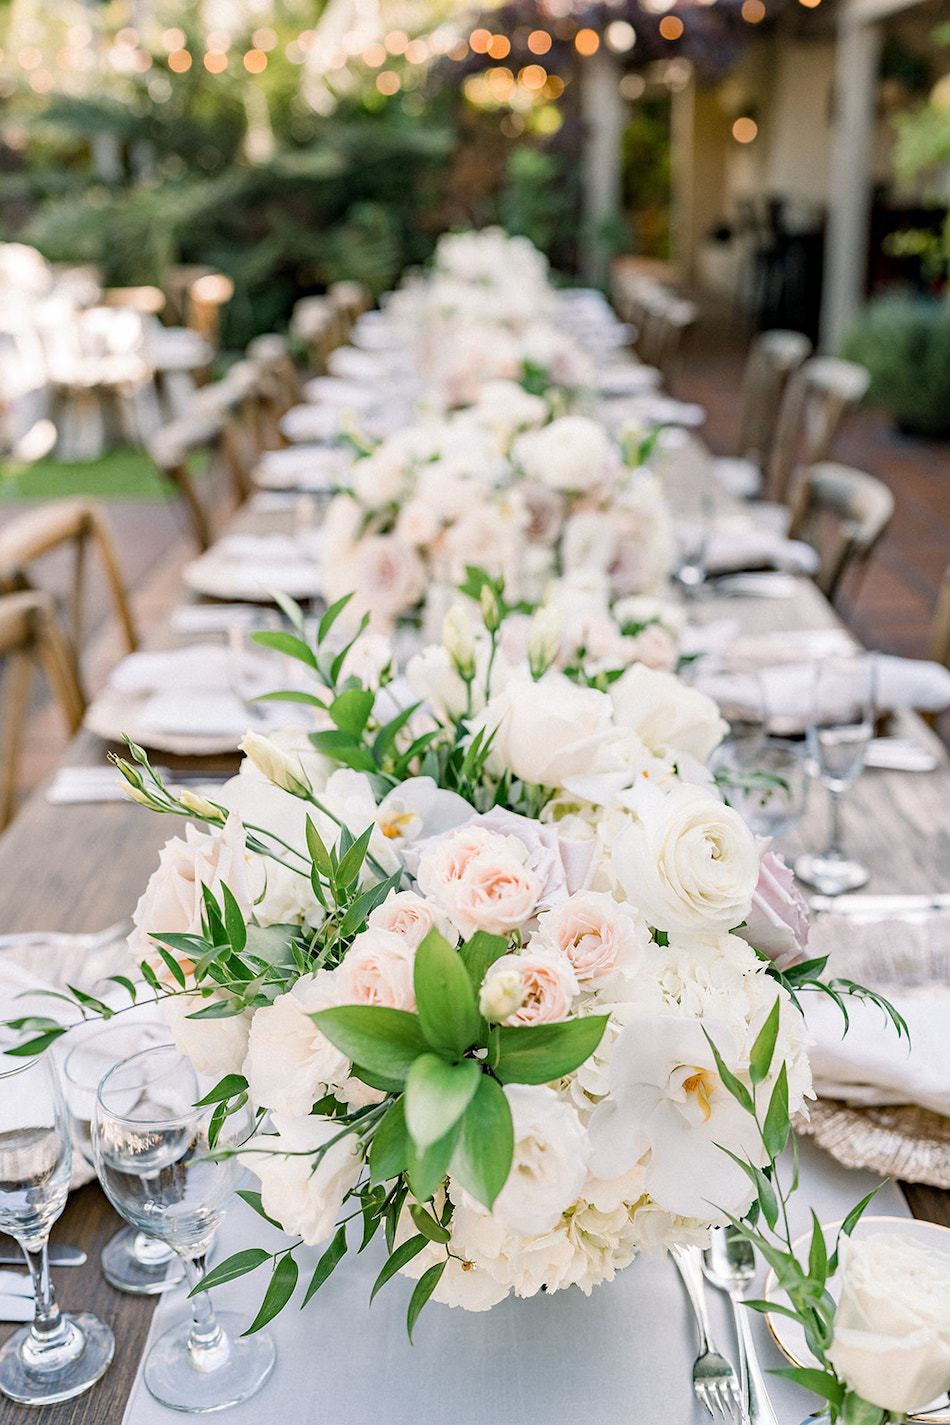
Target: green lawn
118	475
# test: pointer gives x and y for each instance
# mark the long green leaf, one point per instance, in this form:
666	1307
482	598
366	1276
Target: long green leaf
425	1286
735	1086
760	1058
775	1130
391	1146
350	711
351	864
426	1171
331	616
437	1094
319	854
344	749
330	1259
479	953
445	998
237	1266
538	1053
226	1088
403	1254
234	920
279	1291
287	643
387	1041
428	1226
482	1157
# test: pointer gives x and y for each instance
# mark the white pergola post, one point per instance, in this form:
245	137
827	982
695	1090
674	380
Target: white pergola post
603	113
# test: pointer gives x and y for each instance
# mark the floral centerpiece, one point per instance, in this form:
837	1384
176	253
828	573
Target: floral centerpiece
482	970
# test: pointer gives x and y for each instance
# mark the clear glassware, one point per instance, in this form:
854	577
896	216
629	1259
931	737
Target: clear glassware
57	1356
131	1260
766	780
152	1157
840	726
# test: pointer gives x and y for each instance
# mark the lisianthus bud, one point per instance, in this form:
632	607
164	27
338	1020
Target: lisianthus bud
501	994
137	794
276	766
458	637
491	612
544	639
202	807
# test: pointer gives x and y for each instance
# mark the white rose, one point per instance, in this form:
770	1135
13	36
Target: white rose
570	454
549	1166
666	713
173	901
215	1046
549	730
290	1064
303	1195
390	580
892	1328
689	862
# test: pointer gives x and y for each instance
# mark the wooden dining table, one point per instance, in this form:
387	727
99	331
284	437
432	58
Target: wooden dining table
82	867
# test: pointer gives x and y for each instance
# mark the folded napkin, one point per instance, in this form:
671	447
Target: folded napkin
739	543
314	467
199	666
653	410
901	683
740	477
310	423
870	1065
194	714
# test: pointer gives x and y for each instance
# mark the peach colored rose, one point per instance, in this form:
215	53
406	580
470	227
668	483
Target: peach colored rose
597	935
378	970
548	983
480	880
408	915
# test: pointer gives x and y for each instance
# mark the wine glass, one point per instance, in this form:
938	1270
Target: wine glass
153	1160
58	1356
131	1261
765	780
840	726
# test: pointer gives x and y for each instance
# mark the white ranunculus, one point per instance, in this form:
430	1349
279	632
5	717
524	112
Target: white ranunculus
549	730
669	1110
892	1328
689	861
290	1064
667	714
571	454
303	1196
173	901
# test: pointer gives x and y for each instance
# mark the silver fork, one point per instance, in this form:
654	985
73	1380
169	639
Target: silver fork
89	940
714	1378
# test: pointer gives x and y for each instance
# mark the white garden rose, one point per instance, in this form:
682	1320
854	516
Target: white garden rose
892	1327
549	730
667	714
304	1197
378	969
571	454
688	862
215	1046
173	901
290	1063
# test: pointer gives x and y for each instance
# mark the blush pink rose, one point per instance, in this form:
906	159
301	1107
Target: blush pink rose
378	969
480	880
548	983
410	916
596	934
778	922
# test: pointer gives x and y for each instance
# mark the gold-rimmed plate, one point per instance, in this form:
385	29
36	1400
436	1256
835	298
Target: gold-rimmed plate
789	1336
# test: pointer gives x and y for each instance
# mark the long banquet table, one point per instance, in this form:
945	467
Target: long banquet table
81	867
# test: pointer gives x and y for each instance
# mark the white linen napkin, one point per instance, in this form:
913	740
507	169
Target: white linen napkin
199	666
870	1065
787	691
739	543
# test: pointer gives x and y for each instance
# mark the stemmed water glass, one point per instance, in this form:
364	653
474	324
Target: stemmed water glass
131	1261
840	726
152	1153
59	1355
765	780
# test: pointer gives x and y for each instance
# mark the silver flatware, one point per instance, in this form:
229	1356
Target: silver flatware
899	754
729	1264
84	940
60	1255
715	1382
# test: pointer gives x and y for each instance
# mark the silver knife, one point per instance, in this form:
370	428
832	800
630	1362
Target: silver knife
59	1256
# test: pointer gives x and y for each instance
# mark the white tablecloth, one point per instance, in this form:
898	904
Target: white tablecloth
619	1357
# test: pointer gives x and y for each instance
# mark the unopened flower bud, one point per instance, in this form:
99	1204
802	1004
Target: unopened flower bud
276	766
544	639
458	637
501	994
202	807
491	611
136	794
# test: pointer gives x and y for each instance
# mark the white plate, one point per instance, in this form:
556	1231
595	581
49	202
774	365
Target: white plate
789	1336
246	568
114	715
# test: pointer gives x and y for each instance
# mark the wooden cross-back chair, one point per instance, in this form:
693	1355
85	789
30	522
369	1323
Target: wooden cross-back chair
773	356
81	523
938	647
30	635
842	513
349	300
817	398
